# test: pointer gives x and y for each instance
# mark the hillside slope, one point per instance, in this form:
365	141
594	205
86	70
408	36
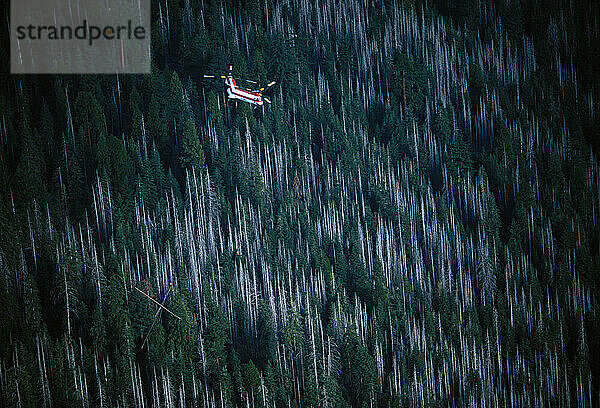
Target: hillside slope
413	221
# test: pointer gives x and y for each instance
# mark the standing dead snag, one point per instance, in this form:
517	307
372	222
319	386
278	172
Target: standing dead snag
403	94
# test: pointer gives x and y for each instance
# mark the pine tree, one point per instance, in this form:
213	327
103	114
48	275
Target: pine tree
192	155
177	106
358	371
157	130
29	175
267	340
251	377
216	341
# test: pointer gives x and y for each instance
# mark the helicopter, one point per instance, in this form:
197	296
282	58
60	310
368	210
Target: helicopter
234	91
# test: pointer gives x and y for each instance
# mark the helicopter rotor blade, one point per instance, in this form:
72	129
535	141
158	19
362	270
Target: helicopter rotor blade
270	84
215	76
267	100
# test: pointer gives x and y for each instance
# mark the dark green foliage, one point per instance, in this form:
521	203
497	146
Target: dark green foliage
30	172
418	205
192	158
358	371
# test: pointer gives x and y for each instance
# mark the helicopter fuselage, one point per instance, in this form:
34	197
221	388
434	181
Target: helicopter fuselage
235	92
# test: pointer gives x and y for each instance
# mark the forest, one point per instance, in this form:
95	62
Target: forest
412	222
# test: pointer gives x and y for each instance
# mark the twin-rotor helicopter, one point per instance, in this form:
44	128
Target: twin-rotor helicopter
234	91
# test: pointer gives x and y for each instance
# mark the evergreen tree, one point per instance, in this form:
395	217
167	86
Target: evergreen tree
29	175
192	155
358	371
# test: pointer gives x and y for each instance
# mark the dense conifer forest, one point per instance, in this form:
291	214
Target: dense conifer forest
412	222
